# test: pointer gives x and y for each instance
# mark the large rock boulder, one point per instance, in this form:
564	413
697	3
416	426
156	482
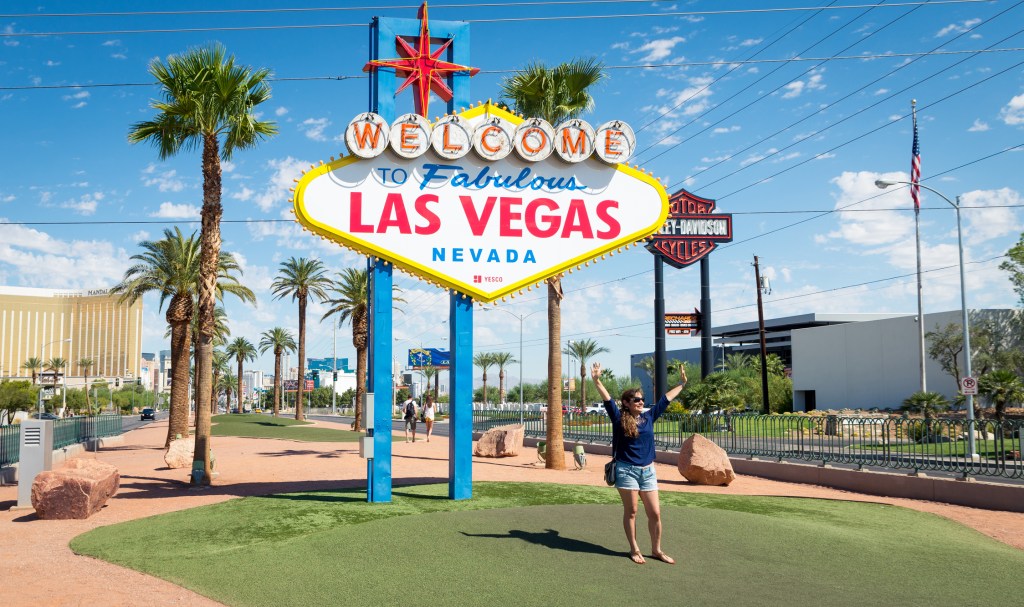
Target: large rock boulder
501	441
179	453
76	491
704	463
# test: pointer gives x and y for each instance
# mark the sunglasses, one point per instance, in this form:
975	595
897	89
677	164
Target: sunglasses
638	399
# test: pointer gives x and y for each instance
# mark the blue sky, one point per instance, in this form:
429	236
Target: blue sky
772	140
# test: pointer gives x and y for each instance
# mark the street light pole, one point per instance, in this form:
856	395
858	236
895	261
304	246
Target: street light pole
971	451
521	318
42	355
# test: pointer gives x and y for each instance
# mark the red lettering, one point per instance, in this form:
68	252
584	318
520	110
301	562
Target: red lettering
433	222
553	222
508	216
446	143
477	222
394	215
574	147
577	220
355	214
614	229
367	134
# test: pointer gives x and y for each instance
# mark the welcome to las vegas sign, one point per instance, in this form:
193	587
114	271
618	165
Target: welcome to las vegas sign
484	202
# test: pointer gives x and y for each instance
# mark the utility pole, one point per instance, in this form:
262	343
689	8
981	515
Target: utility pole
660	356
764	350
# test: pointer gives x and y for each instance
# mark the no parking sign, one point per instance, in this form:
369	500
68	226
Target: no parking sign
969	386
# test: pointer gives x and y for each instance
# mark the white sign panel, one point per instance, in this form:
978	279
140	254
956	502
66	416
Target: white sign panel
969	386
485	228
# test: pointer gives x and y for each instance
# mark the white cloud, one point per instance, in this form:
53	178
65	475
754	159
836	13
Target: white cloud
281	111
166	181
958	28
313	128
757	157
994	219
286	170
169	210
111	43
73	264
878	227
243	195
85	204
139	236
797	87
689	101
226	166
81	96
118	56
52	63
7	198
9	29
1013	113
751	42
881	92
824	156
726	129
658	49
978	126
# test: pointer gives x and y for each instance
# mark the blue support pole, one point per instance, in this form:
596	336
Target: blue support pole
460	374
379	481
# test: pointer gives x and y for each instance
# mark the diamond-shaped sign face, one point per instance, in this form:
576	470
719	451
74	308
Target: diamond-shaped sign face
483	228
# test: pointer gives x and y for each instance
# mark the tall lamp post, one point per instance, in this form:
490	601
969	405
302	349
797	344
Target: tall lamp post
884	183
521	318
42	356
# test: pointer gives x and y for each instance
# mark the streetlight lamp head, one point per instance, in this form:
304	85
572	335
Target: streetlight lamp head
883	183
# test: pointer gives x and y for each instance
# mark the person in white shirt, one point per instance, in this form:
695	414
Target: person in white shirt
409	415
428	414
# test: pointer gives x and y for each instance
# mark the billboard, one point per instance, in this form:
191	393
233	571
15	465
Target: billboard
691	231
292	385
484	202
686	323
327	364
429	357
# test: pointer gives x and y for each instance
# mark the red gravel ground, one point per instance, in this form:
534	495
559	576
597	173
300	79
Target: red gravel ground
38	569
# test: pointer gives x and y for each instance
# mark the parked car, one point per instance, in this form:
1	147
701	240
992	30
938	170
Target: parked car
50	416
596	408
148	414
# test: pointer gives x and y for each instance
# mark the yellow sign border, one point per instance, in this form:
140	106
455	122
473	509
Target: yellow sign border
428	274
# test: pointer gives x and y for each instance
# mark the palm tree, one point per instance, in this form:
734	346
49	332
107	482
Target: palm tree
584	350
85	364
221	332
348	300
646	364
738	361
301	278
484	360
206	97
555	94
280	340
33	365
170	266
1002	387
227	384
430	372
242	350
927	403
502	360
56	365
220	366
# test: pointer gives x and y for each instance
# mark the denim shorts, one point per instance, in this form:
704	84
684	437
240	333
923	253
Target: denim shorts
636	478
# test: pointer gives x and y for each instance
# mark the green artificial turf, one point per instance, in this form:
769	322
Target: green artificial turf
265	426
543	544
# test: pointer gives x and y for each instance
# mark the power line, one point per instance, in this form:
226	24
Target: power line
495	20
775	152
643	66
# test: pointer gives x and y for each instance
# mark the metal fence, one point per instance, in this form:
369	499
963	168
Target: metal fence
68	431
882	442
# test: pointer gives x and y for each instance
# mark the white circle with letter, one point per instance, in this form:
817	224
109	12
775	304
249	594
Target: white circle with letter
410	135
614	142
451	138
367	135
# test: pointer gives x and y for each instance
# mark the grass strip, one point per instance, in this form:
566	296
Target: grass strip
546	544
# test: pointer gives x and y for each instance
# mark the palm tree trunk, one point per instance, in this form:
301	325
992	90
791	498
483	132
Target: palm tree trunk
300	388
485	388
555	455
210	241
583	384
213	392
501	385
277	382
180	359
88	401
239	391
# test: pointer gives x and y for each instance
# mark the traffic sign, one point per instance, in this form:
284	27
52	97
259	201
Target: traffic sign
969	386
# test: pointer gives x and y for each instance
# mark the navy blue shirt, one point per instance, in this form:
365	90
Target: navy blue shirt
637	451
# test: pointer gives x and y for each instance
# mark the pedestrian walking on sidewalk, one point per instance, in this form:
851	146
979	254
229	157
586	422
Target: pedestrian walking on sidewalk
428	414
409	414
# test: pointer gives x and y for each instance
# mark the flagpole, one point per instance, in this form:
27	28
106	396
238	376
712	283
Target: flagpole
915	177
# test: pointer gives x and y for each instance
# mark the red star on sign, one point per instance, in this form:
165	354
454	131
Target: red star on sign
422	69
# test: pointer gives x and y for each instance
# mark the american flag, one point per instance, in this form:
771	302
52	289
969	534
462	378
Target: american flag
915	169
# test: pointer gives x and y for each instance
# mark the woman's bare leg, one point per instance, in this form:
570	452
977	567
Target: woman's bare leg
629	523
652	507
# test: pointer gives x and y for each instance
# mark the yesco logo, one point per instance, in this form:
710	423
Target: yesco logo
484	202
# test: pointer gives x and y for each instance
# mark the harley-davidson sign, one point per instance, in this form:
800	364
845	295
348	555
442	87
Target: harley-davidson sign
691	230
484	202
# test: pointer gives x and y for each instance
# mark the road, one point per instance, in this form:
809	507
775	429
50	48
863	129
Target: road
440	428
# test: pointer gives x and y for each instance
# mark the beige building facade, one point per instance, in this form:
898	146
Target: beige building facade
48	323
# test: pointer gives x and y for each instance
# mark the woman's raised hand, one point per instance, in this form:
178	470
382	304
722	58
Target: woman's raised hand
595	371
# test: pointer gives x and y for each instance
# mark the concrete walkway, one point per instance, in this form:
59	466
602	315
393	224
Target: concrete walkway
39	569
